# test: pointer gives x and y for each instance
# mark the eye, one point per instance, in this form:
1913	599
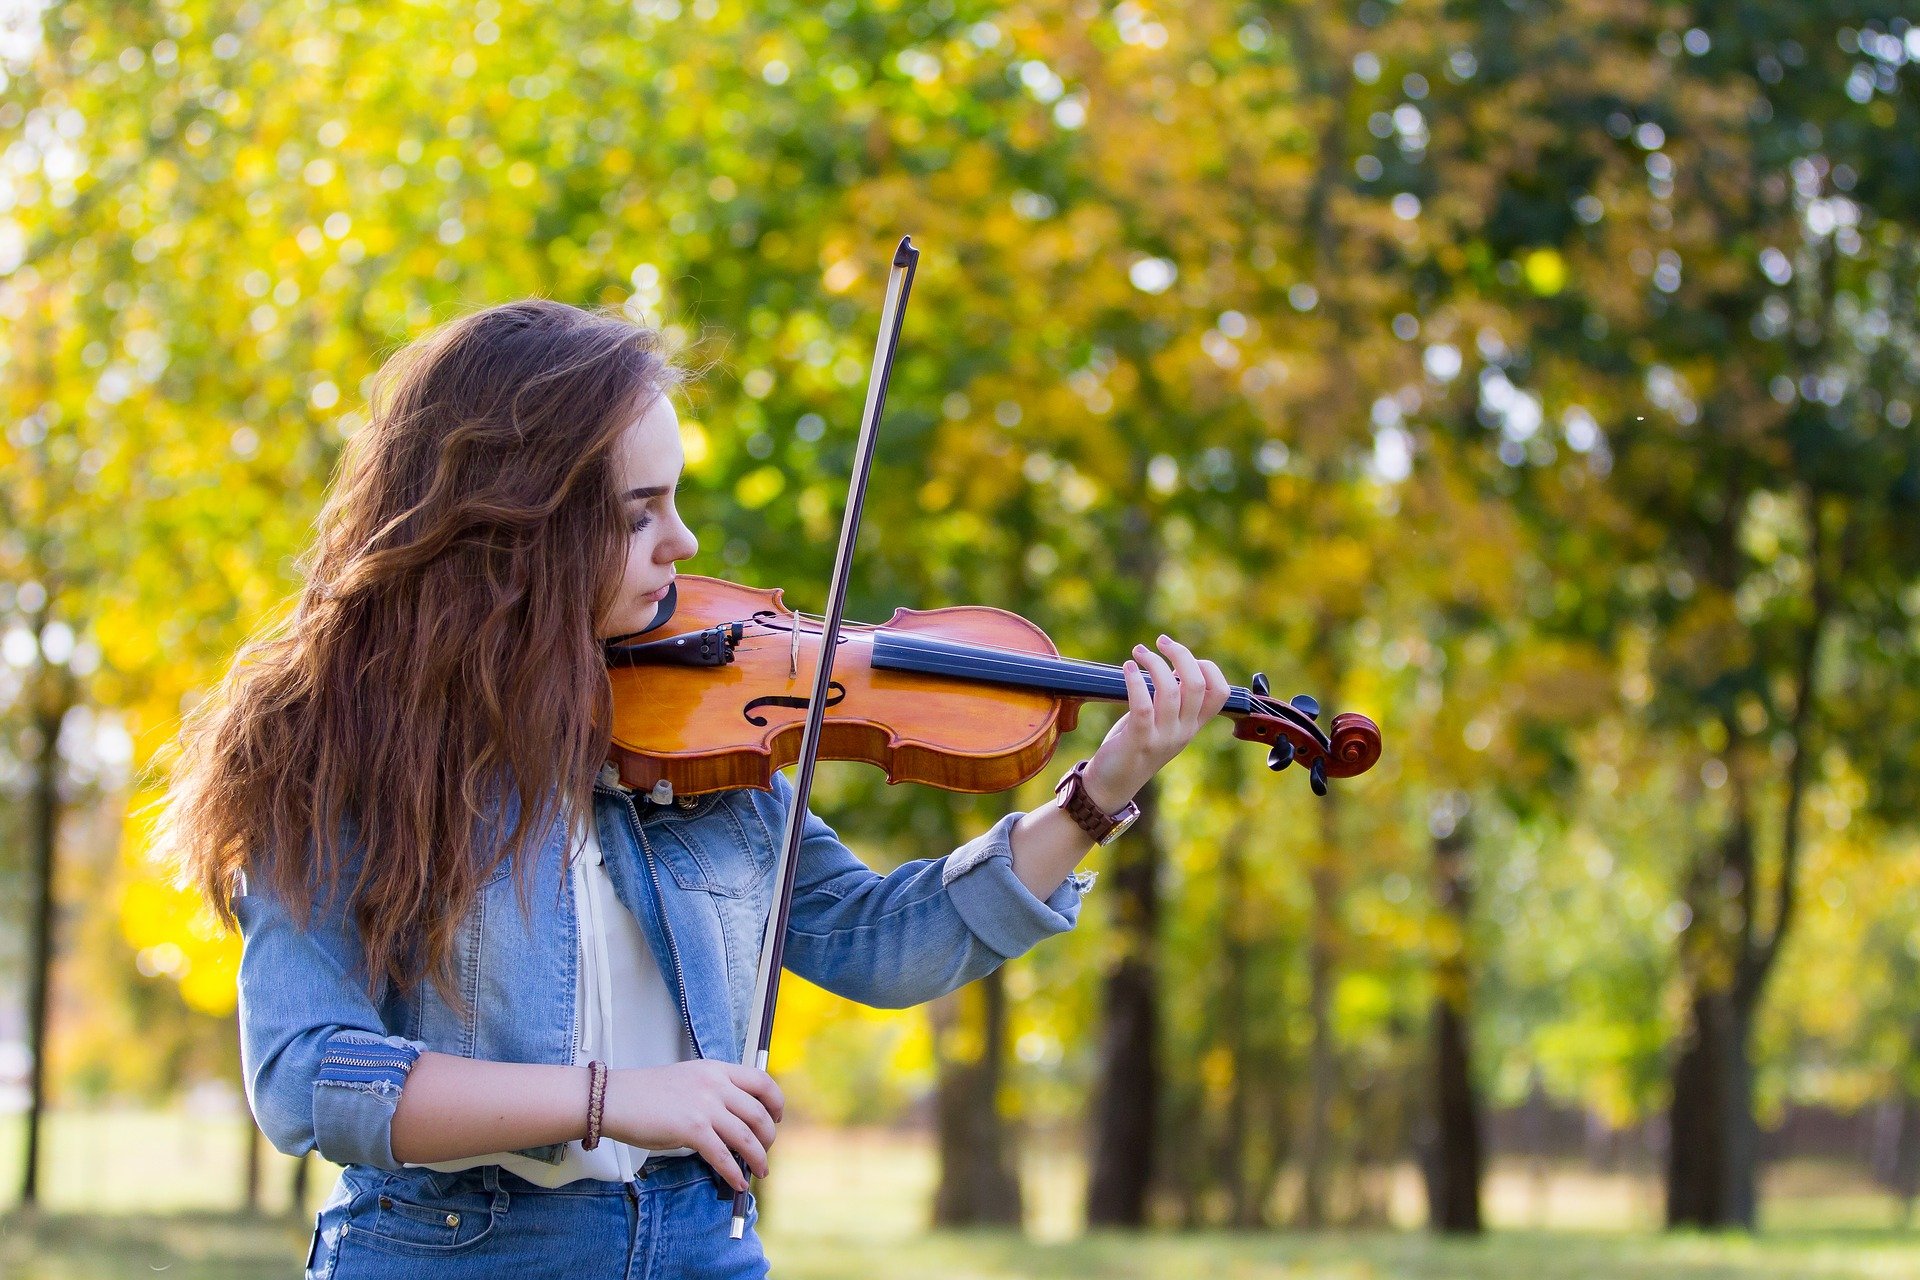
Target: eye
642	523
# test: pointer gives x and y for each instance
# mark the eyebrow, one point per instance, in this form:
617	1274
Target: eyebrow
652	491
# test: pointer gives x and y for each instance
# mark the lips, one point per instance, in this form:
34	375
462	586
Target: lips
653	597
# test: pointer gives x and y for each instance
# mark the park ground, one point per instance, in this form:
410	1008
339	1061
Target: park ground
849	1204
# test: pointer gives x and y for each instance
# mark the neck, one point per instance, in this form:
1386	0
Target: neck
1065	677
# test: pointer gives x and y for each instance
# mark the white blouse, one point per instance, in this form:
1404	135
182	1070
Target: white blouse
643	1028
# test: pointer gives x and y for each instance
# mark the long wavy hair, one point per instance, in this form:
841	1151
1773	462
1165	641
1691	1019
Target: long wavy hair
444	651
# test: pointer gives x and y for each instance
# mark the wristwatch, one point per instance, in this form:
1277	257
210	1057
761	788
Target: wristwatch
1104	827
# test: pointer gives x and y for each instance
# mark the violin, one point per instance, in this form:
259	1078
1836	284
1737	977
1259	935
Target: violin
715	694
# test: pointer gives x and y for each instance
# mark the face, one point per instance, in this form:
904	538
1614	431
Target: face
648	461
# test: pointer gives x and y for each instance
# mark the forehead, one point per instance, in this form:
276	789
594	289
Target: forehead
649	451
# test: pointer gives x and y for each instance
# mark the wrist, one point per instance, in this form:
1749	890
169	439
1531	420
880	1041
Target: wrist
1102	824
597	1084
1110	794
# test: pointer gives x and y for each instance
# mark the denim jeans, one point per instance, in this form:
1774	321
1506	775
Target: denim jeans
398	1225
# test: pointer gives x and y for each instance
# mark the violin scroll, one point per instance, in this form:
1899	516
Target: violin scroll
1293	733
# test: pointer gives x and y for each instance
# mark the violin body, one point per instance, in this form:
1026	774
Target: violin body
709	728
968	698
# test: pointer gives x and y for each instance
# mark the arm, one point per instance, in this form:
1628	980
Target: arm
320	1070
322	1074
454	1107
1187	692
922	930
1047	844
930	927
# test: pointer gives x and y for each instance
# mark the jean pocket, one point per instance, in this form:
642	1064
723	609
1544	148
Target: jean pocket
417	1219
323	1249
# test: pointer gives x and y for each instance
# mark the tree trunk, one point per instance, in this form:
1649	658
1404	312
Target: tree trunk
1455	1163
1900	1160
1243	1208
1126	1097
1322	1066
54	697
1126	1102
250	1190
1713	1141
979	1185
1905	1173
297	1190
1727	951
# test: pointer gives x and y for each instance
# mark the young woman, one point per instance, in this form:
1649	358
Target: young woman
508	994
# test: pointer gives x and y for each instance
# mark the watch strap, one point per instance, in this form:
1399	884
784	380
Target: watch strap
1095	821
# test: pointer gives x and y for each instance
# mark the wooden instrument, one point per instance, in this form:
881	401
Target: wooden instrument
969	698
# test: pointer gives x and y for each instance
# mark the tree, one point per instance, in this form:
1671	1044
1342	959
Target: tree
1752	433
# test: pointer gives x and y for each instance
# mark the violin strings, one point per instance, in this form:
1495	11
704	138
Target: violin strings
1010	661
995	659
991	659
1017	660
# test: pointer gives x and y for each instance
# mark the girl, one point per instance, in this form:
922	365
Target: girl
506	993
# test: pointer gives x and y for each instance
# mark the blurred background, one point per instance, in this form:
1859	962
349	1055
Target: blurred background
1534	376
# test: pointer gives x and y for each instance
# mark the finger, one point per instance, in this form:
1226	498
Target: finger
755	1113
735	1133
1193	681
707	1142
1218	690
1139	701
1166	691
762	1086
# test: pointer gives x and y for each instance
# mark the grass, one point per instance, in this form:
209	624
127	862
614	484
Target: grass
225	1247
139	1194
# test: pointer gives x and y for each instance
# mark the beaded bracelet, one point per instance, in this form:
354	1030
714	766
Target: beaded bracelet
596	1102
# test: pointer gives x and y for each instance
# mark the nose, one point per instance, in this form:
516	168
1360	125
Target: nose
680	544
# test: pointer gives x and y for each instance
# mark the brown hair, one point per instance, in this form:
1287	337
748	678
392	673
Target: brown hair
444	647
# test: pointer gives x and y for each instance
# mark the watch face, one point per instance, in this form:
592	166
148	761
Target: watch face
1133	813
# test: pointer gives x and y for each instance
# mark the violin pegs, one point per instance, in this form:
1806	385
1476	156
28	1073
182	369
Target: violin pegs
1307	703
1281	756
1317	776
1259	684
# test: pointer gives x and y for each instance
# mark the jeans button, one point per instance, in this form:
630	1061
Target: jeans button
453	1219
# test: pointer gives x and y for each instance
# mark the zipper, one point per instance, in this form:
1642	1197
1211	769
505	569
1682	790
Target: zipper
673	949
341	1060
572	887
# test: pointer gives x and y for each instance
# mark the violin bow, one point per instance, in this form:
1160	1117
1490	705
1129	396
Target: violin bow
773	945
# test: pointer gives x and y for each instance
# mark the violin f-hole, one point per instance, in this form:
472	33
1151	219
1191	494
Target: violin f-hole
834	699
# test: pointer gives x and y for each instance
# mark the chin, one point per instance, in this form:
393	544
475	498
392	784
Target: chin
626	624
644	614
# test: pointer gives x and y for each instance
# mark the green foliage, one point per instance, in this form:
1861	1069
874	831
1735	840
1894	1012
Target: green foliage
1508	372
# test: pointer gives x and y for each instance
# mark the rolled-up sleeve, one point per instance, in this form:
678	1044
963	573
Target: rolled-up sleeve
1001	911
926	928
321	1071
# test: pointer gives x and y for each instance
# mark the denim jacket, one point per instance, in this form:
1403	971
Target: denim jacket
324	1063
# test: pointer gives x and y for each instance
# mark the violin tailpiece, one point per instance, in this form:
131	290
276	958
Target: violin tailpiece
710	648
